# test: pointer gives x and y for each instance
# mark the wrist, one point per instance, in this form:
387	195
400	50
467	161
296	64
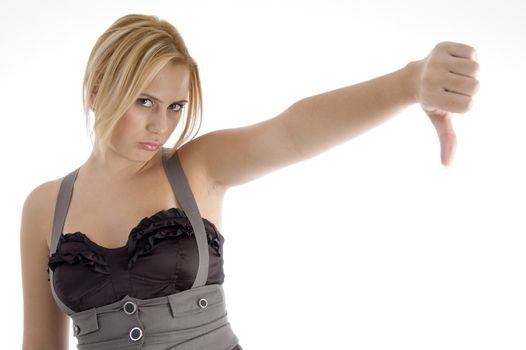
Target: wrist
412	73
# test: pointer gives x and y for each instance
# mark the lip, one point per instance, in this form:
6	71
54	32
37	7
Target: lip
154	146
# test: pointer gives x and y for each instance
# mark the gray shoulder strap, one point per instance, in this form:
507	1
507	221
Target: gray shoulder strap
186	199
184	196
61	208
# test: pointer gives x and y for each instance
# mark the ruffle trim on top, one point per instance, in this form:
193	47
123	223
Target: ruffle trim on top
73	250
76	248
171	223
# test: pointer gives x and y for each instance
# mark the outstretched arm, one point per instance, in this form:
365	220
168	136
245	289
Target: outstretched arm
318	123
443	83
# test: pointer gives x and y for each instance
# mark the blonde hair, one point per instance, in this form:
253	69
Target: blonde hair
124	60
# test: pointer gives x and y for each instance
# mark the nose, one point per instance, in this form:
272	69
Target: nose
157	122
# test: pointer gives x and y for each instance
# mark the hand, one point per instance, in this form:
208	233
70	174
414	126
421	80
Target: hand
446	84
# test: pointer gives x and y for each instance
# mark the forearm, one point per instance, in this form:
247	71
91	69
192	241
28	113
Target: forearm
319	122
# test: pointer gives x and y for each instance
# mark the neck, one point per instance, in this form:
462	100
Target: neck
112	166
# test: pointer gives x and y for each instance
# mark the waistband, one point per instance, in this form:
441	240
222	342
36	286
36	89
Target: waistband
189	320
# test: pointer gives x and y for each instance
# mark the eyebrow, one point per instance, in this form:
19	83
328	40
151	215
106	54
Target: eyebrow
156	99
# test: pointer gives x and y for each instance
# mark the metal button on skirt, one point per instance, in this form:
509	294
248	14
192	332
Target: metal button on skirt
195	319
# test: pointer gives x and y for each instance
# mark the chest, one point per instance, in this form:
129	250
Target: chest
107	216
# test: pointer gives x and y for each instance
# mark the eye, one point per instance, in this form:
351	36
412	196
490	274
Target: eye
143	99
177	106
180	105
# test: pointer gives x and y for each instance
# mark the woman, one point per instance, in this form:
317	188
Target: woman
156	283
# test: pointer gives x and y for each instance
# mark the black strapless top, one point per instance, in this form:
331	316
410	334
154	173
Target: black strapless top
159	258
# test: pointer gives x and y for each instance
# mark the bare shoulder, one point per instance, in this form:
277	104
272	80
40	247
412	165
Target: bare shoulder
194	160
39	208
39	306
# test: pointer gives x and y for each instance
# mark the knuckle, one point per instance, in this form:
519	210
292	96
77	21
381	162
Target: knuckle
441	45
475	67
472	51
468	105
476	85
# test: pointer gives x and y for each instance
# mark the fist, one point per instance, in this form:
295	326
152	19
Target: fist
447	79
446	83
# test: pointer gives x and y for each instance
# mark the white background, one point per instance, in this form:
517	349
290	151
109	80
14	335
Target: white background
372	244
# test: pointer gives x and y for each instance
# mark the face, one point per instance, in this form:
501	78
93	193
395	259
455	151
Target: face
154	115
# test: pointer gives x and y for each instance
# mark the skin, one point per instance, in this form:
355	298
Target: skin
113	188
145	121
446	84
443	83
